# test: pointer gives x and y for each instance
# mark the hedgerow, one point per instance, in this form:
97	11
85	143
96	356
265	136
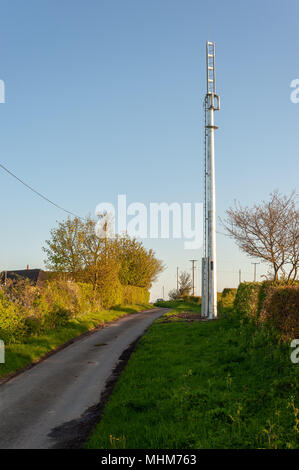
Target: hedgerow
227	298
12	322
246	301
135	295
273	303
28	310
280	309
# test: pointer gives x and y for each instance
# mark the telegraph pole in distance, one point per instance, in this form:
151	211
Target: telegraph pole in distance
193	261
177	281
239	276
255	270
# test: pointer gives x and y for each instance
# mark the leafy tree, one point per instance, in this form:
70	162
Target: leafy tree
65	249
138	266
74	247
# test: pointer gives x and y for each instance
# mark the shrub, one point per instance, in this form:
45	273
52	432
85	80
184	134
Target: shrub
226	301
20	291
267	287
12	322
191	298
280	309
275	303
33	325
135	295
88	299
109	286
27	310
246	300
58	316
228	297
195	298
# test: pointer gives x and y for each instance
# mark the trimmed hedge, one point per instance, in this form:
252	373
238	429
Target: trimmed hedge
192	298
247	299
227	298
27	310
273	303
135	295
280	309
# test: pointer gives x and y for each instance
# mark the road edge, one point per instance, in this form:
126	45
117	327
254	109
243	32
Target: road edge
74	434
100	326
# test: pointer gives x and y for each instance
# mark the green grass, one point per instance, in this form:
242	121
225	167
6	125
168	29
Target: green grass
19	355
218	384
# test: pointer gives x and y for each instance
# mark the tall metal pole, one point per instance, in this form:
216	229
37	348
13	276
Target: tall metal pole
209	271
193	261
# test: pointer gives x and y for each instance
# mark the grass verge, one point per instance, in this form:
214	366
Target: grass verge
20	355
216	384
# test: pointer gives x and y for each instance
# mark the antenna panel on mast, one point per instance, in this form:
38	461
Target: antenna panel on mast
211	78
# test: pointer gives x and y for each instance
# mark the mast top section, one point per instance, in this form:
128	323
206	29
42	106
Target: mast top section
211	77
212	100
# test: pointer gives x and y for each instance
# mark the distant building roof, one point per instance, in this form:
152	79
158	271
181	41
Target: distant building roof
34	275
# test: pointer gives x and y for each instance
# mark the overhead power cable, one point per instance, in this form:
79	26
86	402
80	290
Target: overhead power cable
37	192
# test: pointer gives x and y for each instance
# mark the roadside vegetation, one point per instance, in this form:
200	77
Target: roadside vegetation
35	320
20	354
93	279
189	384
87	251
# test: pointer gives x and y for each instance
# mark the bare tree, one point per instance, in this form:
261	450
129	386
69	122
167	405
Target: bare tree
173	294
185	284
293	244
268	231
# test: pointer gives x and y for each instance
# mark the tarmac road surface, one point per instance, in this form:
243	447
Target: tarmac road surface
65	385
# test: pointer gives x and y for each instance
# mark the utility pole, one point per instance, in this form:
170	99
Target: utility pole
240	276
209	272
163	292
177	281
255	270
106	236
193	261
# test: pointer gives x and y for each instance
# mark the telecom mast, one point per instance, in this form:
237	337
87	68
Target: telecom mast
209	273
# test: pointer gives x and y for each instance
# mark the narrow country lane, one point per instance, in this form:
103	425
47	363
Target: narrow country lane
64	386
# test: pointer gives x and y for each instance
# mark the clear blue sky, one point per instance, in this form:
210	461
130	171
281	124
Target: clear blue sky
105	97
